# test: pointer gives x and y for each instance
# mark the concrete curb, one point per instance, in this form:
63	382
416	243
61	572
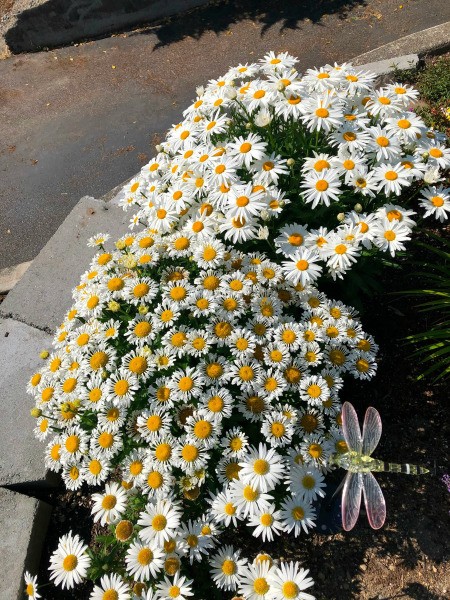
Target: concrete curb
434	40
31	25
12	275
23	523
38	301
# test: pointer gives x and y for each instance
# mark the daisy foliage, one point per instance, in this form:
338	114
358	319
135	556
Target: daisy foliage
320	168
199	387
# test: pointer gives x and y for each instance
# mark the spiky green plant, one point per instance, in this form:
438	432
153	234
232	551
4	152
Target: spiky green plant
433	345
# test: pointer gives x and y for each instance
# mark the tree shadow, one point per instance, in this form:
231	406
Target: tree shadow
220	15
60	22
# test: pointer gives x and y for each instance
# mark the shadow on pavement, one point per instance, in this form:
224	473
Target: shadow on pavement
218	16
60	22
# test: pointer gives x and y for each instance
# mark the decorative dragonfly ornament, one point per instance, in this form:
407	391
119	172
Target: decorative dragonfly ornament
359	466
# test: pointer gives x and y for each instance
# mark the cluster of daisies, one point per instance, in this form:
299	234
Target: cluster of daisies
200	388
318	168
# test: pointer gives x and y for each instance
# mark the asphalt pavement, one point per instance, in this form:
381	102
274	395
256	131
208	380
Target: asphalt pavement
80	120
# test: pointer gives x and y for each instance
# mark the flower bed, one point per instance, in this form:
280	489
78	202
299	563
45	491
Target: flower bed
200	381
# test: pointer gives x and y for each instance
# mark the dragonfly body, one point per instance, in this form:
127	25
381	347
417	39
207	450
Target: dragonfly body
355	462
359	464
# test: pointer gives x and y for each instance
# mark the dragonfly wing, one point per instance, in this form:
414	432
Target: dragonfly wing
351	500
350	427
374	501
371	431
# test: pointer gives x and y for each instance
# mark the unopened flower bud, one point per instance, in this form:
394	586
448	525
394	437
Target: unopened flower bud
358	207
36	412
158	148
425	155
44	354
248	126
280	86
120	244
143	310
113	306
340	217
290	162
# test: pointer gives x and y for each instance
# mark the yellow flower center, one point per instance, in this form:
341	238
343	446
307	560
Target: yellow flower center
277	429
437	201
82	340
109	502
138	365
389	235
155	480
245	147
382	141
106	439
115	284
246	373
362	365
174	591
203	429
302	264
436	153
121	387
144	556
98	360
261	466
314	390
308	482
309	422
72	443
189	453
185	384
315	450
322	185
391	175
163	452
298	514
95	467
322	113
349	136
159	522
95	394
70	562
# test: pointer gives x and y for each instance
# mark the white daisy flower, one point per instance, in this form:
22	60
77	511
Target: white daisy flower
69	563
302	267
321	188
246	150
31	586
288	581
291	238
111	586
306	482
109	506
390	236
144	560
159	521
297	515
261	467
277	429
226	568
180	588
223	508
391	178
266	523
254	581
436	202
